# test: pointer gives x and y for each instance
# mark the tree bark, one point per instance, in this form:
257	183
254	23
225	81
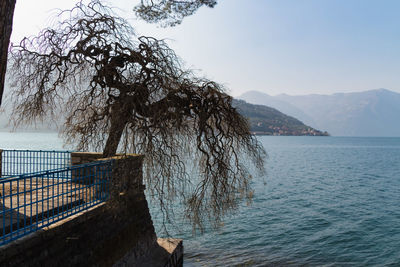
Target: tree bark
6	20
118	123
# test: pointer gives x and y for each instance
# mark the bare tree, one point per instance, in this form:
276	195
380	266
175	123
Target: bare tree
169	12
122	91
6	21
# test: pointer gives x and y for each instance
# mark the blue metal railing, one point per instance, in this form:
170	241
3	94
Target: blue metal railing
32	201
15	162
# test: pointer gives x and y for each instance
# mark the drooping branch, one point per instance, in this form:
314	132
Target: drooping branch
119	91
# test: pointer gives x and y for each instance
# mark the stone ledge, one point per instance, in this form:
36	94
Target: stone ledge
175	249
168	252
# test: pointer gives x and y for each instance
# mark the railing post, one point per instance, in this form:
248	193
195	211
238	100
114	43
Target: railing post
1	159
78	158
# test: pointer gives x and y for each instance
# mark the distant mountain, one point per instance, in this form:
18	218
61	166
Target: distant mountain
258	98
267	120
368	113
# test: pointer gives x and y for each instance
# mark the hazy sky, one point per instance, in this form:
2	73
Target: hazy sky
273	46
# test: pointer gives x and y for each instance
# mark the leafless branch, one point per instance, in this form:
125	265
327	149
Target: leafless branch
119	90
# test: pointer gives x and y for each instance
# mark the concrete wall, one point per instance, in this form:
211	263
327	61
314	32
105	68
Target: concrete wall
119	232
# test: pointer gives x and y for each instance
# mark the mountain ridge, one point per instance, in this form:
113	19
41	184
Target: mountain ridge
368	113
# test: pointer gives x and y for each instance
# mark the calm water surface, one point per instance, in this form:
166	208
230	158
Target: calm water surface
329	201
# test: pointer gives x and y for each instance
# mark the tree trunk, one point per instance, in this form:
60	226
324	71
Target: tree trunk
118	123
6	21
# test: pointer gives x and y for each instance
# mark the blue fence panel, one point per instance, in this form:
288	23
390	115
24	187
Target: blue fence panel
34	200
16	162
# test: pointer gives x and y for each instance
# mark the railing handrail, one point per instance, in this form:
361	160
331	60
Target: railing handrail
57	170
38	150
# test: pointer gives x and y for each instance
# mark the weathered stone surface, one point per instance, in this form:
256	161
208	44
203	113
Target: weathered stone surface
168	252
174	247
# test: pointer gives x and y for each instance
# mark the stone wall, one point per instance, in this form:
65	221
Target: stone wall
84	157
119	232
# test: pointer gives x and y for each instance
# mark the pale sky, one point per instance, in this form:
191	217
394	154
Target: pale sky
273	46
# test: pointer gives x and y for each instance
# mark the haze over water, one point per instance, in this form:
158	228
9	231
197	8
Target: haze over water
329	201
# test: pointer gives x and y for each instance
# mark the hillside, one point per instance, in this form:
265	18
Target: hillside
367	113
269	121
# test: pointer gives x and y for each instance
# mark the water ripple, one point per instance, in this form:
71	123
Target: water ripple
327	202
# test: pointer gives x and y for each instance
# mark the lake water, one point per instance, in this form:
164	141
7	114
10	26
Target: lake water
329	201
